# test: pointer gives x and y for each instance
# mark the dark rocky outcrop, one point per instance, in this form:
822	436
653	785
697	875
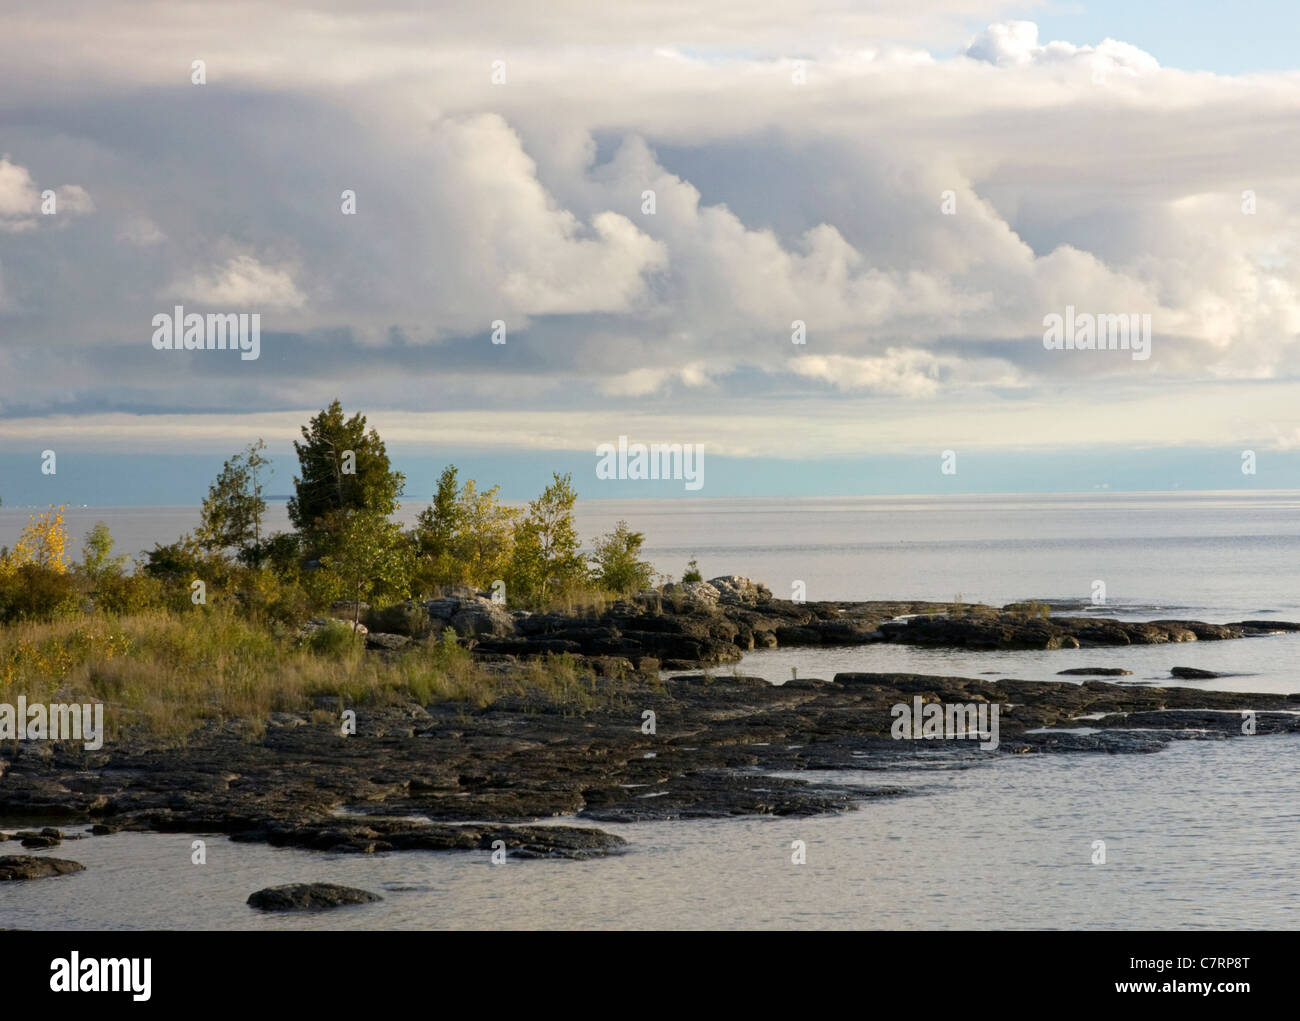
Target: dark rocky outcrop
413	774
1094	671
309	897
1188	673
715	622
22	866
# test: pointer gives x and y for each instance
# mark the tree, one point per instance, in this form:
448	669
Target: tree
233	509
43	543
616	562
464	537
440	521
370	554
546	554
343	469
97	560
180	561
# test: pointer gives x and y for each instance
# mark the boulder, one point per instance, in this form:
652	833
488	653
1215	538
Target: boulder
441	609
309	897
483	619
1188	673
386	642
733	589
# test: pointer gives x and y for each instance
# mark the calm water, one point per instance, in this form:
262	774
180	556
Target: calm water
1218	556
1202	834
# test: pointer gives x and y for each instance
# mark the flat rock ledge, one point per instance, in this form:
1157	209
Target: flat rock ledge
26	866
378	834
309	897
456	777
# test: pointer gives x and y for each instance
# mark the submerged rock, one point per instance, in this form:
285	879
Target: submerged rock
1094	671
1188	673
309	897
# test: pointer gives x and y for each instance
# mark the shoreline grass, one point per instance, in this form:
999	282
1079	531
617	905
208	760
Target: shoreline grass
171	673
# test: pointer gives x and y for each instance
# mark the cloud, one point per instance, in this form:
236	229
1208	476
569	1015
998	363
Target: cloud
773	202
23	205
141	232
1015	44
508	249
242	282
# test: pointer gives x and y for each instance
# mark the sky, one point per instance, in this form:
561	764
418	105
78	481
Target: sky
823	248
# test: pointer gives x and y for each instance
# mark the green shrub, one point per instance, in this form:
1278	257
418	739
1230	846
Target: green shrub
399	619
126	594
334	639
33	592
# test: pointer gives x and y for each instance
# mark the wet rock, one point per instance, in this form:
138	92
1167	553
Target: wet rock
309	897
720	679
985	628
712	795
1094	671
20	866
1188	673
579	751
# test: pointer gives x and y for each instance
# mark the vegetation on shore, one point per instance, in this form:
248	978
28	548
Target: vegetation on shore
210	625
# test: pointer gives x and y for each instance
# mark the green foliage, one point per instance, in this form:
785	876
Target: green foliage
233	509
281	553
616	563
441	520
370	555
180	561
692	572
343	469
97	561
263	595
34	592
464	537
399	619
129	593
335	638
546	559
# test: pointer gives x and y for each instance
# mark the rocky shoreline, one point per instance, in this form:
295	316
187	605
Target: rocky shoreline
718	621
632	745
716	743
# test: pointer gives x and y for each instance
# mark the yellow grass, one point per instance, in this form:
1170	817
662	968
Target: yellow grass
170	673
